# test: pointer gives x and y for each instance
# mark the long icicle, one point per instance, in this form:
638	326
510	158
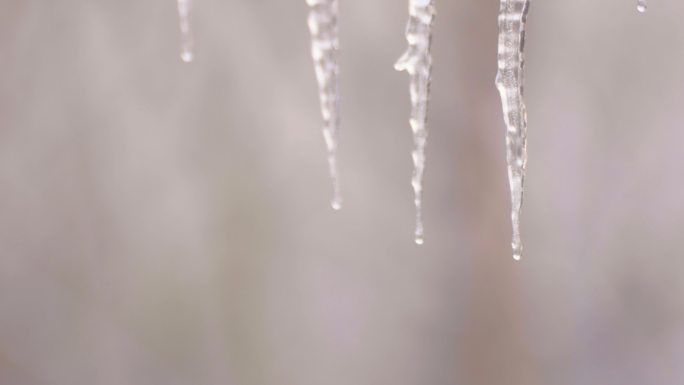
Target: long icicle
510	82
417	61
186	39
323	24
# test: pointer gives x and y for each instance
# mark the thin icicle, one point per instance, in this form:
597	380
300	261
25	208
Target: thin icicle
187	42
417	61
323	24
510	80
642	6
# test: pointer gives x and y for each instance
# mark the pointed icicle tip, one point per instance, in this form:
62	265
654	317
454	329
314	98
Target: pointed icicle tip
187	57
419	236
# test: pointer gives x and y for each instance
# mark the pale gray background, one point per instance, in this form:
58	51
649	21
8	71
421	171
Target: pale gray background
163	223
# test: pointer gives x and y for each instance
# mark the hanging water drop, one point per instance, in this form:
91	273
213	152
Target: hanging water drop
510	81
184	14
323	24
417	62
642	6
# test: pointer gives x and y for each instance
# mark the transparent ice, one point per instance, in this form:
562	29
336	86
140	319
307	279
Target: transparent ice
642	6
323	24
184	14
510	81
417	62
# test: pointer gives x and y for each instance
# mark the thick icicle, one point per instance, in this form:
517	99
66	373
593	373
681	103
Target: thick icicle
417	61
187	42
510	81
642	6
323	24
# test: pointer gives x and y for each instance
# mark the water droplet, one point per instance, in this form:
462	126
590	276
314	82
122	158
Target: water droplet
419	240
642	6
187	57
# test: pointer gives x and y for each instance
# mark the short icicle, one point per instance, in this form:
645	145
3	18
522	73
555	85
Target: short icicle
323	24
510	81
417	61
187	43
642	6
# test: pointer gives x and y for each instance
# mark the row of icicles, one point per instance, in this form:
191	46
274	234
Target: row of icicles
417	62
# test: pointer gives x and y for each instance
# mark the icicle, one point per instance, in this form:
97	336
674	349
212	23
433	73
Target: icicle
642	6
509	81
323	25
184	13
417	61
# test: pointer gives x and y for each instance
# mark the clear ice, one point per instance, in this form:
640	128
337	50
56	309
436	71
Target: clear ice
323	24
509	81
642	6
184	14
417	61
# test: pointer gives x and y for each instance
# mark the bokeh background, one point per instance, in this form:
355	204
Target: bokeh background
163	223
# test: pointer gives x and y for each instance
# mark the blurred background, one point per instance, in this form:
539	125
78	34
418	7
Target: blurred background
163	223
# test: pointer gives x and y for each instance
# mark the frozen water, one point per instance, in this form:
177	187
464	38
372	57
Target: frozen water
187	43
323	24
642	6
417	62
510	81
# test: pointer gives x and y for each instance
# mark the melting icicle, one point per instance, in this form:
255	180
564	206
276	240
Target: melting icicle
642	6
184	13
323	25
509	81
417	61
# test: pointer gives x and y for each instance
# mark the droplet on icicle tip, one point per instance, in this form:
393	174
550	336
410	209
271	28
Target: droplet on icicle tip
517	251
336	202
420	234
642	6
187	57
